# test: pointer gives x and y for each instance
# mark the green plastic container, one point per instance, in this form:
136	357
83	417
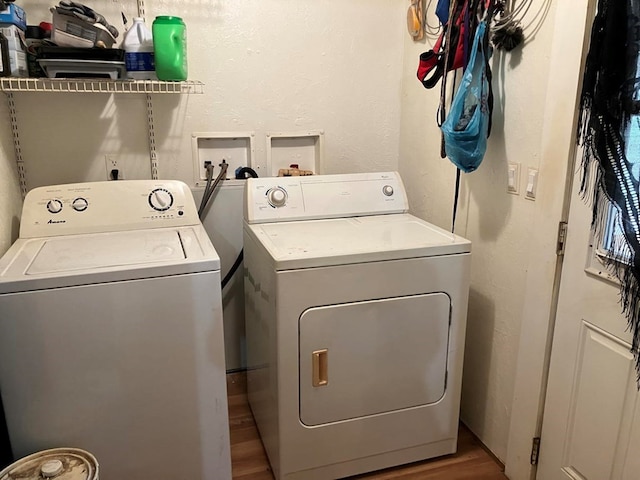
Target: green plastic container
170	48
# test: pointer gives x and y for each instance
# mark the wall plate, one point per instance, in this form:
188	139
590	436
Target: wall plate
513	178
531	186
236	148
305	149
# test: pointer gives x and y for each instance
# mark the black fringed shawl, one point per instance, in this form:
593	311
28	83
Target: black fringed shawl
609	99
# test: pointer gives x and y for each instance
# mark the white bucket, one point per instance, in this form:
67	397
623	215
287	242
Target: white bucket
69	463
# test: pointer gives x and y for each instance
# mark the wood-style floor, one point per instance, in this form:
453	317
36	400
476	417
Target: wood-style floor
249	461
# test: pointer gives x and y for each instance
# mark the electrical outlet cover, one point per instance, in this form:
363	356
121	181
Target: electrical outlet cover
114	162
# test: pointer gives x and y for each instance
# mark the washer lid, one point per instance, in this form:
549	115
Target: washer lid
65	254
315	243
66	463
72	260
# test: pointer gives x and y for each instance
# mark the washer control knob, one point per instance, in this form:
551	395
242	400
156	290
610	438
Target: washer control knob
277	197
80	204
54	206
160	199
387	190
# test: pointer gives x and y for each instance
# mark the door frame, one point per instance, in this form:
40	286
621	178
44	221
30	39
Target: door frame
558	148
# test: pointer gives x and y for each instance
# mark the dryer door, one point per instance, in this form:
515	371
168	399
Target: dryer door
367	358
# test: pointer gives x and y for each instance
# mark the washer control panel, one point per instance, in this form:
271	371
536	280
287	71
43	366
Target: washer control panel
107	206
323	196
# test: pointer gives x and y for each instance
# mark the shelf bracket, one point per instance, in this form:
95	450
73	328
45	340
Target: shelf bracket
153	155
13	116
141	10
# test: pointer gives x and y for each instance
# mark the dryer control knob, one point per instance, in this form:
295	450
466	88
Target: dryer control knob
54	206
277	197
160	199
387	190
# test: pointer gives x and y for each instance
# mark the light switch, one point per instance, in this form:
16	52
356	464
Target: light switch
513	178
532	183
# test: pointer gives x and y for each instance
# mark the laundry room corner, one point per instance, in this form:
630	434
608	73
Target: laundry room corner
497	222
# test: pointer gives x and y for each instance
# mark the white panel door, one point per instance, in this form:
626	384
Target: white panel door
591	428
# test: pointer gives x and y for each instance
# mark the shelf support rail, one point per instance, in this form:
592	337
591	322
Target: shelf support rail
13	115
153	155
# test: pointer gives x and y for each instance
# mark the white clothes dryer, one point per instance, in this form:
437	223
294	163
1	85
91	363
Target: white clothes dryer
111	331
355	319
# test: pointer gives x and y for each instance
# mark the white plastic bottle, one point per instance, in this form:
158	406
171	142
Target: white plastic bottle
138	47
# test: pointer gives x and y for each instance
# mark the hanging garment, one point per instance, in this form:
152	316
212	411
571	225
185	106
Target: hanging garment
448	52
466	127
442	11
608	105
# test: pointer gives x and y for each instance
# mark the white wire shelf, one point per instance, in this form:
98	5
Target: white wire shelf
83	85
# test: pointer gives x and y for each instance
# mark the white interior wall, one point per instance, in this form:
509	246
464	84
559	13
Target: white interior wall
572	25
268	66
10	198
497	223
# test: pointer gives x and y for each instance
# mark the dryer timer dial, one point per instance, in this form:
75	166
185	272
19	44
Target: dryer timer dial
277	197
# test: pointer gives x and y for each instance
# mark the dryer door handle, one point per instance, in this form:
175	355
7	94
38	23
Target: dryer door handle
320	367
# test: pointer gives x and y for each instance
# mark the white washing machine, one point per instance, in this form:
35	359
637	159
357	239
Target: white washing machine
355	319
111	336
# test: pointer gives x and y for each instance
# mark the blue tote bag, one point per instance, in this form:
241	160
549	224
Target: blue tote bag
466	128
